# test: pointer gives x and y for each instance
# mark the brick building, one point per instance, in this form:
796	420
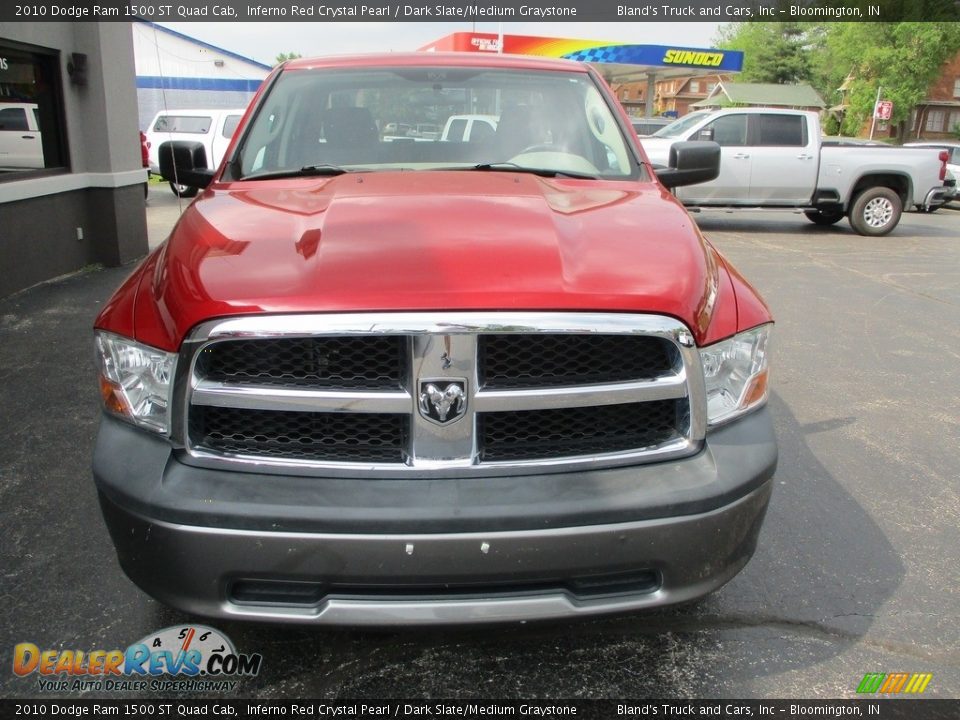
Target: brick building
673	96
938	117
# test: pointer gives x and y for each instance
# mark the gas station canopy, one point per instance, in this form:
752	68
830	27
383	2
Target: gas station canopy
617	62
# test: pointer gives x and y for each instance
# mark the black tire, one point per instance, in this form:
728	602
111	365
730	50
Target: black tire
183	191
824	217
876	211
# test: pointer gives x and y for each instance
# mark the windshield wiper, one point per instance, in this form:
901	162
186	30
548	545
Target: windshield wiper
507	166
323	169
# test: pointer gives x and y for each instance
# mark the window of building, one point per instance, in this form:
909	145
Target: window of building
32	131
956	87
954	123
694	86
625	95
935	121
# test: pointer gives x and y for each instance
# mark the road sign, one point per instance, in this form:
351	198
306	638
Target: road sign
883	110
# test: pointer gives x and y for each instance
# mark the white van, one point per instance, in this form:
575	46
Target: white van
213	128
21	146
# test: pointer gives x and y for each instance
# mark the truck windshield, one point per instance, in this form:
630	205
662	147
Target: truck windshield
430	118
678	127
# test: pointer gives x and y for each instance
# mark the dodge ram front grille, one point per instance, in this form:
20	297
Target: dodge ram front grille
558	360
578	430
329	362
337	437
447	394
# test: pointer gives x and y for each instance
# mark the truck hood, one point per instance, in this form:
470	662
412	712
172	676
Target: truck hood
447	240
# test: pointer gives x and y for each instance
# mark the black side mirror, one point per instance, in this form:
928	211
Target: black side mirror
185	163
691	162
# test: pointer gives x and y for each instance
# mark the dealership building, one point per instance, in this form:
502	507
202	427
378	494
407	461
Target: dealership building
71	179
73	96
177	72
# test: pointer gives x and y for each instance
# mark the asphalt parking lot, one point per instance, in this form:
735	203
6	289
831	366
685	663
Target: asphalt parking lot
856	569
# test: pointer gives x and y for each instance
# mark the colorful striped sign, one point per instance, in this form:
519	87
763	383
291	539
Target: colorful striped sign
892	683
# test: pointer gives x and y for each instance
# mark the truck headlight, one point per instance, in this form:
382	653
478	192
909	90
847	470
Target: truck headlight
135	381
735	371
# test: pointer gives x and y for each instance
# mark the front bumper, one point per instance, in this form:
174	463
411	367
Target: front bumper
434	551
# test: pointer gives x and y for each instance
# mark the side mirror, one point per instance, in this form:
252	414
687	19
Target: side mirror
691	162
184	163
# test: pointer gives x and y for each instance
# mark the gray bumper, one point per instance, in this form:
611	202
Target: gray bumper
935	197
387	552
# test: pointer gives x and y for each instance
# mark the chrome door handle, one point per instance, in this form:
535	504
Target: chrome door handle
741	156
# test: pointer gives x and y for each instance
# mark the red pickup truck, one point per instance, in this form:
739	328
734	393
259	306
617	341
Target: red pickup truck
372	380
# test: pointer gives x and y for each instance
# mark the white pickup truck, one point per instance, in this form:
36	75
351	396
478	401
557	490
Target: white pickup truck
774	158
21	145
213	128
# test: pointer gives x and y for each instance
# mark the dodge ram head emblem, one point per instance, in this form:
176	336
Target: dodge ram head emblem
443	401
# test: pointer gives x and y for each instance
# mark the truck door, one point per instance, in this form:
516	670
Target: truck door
732	185
221	138
785	159
21	145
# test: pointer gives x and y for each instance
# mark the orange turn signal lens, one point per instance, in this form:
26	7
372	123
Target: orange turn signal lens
113	399
757	390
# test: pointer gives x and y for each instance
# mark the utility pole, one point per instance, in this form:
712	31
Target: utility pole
873	116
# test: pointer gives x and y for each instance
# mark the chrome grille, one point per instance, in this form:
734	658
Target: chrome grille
334	437
531	434
558	360
341	394
338	362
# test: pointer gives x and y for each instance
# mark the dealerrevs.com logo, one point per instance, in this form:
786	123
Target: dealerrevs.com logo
179	658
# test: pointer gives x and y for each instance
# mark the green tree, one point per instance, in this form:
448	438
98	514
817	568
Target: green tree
773	52
283	57
901	58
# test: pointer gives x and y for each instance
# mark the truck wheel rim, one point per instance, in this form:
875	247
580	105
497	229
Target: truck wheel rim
878	212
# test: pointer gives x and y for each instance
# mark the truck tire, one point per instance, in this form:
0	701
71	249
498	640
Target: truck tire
184	191
824	217
876	211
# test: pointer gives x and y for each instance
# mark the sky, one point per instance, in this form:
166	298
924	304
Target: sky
264	41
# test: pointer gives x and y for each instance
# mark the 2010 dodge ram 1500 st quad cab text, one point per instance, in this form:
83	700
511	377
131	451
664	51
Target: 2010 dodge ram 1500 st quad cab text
371	382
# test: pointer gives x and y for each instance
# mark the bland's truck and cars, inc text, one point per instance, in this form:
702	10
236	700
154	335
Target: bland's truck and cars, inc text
372	379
